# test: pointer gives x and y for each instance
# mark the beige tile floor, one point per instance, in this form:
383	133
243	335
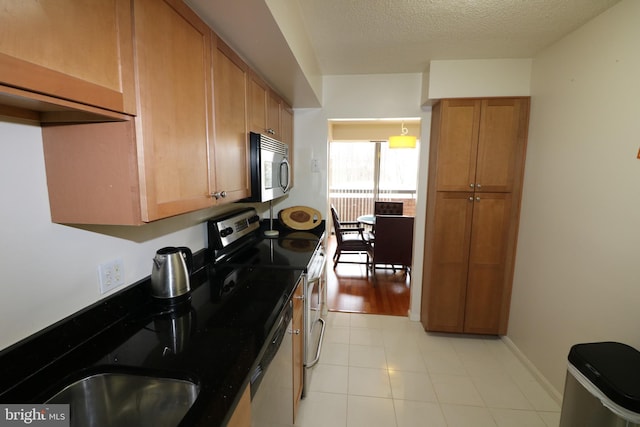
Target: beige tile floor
386	371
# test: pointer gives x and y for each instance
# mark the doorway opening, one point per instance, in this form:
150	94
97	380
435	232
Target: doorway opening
363	169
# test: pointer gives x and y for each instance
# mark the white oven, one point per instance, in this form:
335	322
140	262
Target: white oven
315	311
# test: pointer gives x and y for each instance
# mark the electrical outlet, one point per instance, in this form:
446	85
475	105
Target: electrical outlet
111	275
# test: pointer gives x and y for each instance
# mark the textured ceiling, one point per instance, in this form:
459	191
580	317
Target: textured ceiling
398	36
383	36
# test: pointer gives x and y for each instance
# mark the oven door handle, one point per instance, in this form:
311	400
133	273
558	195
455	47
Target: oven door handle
316	274
319	349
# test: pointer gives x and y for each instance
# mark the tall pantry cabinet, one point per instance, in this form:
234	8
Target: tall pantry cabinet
476	167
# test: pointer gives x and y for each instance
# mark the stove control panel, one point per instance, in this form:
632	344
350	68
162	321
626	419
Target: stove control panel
229	228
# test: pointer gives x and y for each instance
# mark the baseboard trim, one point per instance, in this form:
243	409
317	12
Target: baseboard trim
555	394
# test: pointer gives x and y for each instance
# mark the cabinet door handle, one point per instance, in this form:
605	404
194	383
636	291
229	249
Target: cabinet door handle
477	198
219	194
478	186
471	199
295	332
271	131
472	185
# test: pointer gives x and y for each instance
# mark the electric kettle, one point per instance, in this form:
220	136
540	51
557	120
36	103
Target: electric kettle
170	272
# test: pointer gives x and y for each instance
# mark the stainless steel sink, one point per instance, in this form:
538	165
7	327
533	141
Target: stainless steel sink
123	400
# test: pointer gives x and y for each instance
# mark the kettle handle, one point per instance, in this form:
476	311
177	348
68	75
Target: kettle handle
188	257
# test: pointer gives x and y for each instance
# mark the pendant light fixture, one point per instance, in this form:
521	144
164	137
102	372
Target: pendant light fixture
403	140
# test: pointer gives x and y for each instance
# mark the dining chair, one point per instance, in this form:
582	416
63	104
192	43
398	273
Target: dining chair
388	208
393	242
350	238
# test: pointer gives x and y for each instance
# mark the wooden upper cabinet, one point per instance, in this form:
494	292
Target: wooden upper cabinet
156	165
257	96
458	142
181	152
274	105
230	151
173	49
481	144
77	54
501	143
270	115
286	126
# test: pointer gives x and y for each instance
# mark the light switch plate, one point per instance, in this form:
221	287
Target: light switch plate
315	165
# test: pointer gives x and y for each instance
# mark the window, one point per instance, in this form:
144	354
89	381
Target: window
363	172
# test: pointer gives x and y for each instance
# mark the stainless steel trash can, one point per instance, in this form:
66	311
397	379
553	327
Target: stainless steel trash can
602	388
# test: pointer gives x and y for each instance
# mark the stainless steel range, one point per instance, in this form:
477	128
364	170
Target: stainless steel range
237	239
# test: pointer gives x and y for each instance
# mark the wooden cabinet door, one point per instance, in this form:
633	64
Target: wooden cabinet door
481	143
448	262
72	50
153	166
273	116
257	99
486	309
173	49
457	144
241	416
475	179
501	143
298	346
92	173
230	151
286	127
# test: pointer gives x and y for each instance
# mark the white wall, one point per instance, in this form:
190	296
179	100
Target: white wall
577	276
479	78
50	271
359	96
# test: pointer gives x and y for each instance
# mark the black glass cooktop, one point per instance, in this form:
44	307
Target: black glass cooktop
278	253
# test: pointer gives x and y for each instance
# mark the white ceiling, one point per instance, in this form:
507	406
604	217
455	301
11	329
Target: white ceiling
402	36
384	36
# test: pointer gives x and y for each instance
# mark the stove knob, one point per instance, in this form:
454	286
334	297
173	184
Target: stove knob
226	231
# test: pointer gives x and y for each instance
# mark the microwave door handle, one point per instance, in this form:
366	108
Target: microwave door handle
285	164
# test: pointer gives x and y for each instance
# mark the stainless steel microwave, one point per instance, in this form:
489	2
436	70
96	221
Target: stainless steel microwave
269	166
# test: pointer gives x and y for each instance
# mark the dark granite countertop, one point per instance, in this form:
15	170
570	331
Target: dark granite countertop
217	343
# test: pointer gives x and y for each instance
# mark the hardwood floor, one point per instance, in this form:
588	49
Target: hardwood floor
351	289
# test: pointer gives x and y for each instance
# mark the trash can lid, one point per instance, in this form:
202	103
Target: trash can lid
612	367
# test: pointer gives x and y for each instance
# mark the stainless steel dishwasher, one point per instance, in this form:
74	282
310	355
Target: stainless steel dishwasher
272	378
